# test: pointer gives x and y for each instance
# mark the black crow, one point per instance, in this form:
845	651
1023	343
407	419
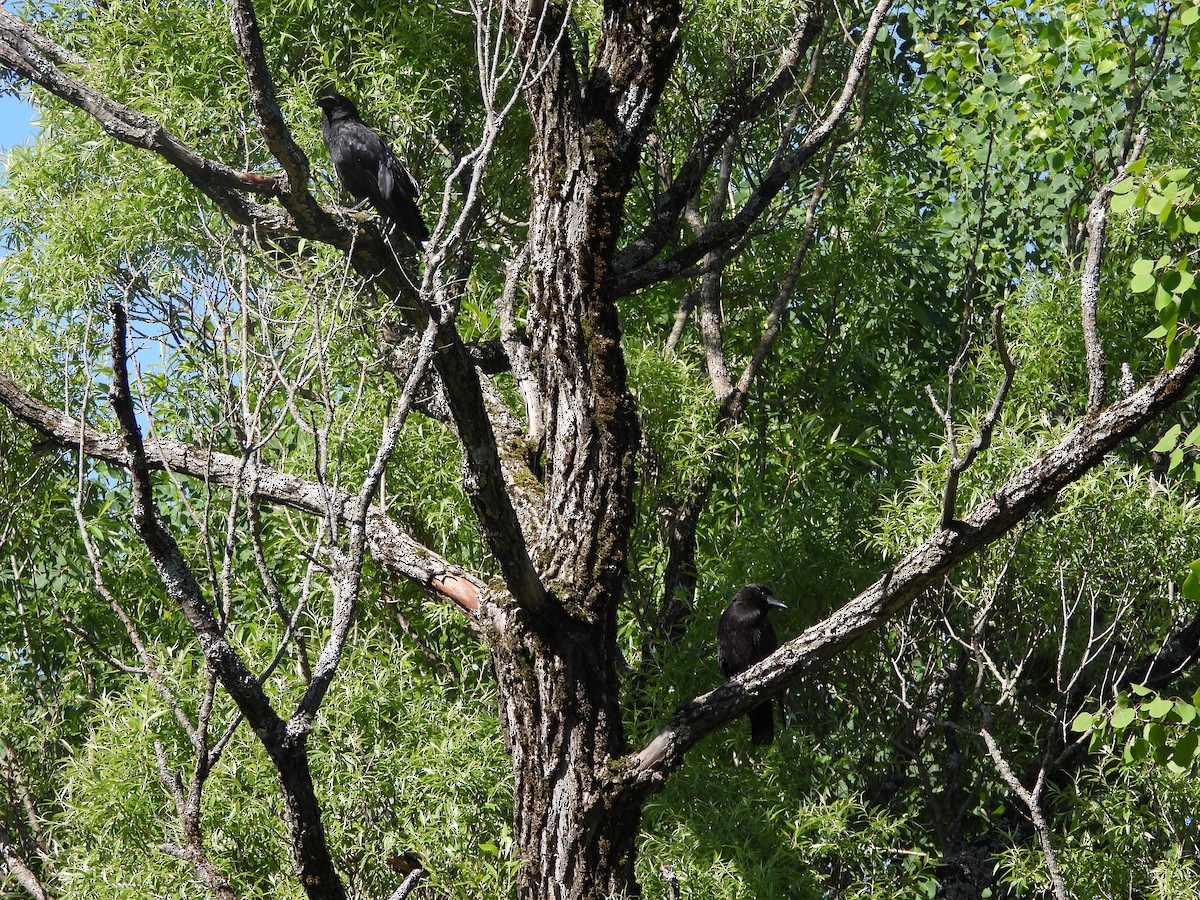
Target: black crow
744	637
368	168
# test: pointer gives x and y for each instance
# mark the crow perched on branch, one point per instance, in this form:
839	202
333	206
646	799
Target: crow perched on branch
368	168
744	637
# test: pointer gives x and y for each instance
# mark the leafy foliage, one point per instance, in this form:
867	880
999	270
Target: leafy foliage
990	130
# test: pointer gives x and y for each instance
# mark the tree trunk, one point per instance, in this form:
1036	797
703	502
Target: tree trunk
560	715
556	663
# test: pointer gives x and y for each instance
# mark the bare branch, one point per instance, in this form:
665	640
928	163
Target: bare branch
633	262
181	584
733	404
346	587
738	106
389	545
273	592
244	25
1032	801
315	870
959	464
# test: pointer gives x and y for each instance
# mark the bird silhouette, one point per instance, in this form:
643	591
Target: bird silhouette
744	637
368	168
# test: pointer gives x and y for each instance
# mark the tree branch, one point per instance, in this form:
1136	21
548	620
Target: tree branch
1032	801
294	187
633	264
34	59
285	746
408	885
348	565
390	546
960	463
1089	292
733	404
736	107
1076	454
16	866
181	584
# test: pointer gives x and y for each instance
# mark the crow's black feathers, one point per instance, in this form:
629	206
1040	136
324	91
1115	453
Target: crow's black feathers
368	168
744	637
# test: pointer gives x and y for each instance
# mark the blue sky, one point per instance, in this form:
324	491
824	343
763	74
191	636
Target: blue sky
15	121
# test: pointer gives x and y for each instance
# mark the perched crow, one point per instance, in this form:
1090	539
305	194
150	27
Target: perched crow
744	637
368	168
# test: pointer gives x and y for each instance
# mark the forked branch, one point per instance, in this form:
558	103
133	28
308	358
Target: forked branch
959	463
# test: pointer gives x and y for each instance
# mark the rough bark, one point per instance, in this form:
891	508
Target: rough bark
562	727
556	662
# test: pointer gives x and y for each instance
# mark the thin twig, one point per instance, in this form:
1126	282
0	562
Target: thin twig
1032	801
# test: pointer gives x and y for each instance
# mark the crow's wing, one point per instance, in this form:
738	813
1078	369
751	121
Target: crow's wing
393	178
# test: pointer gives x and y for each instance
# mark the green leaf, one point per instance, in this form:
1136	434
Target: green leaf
1141	283
1123	718
1122	189
1174	351
1157	204
1140	690
1083	722
1191	590
1159	708
1189	16
1167	442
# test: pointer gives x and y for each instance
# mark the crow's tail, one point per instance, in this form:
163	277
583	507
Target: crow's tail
762	723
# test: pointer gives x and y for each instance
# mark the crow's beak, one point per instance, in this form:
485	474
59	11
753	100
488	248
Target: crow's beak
776	602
